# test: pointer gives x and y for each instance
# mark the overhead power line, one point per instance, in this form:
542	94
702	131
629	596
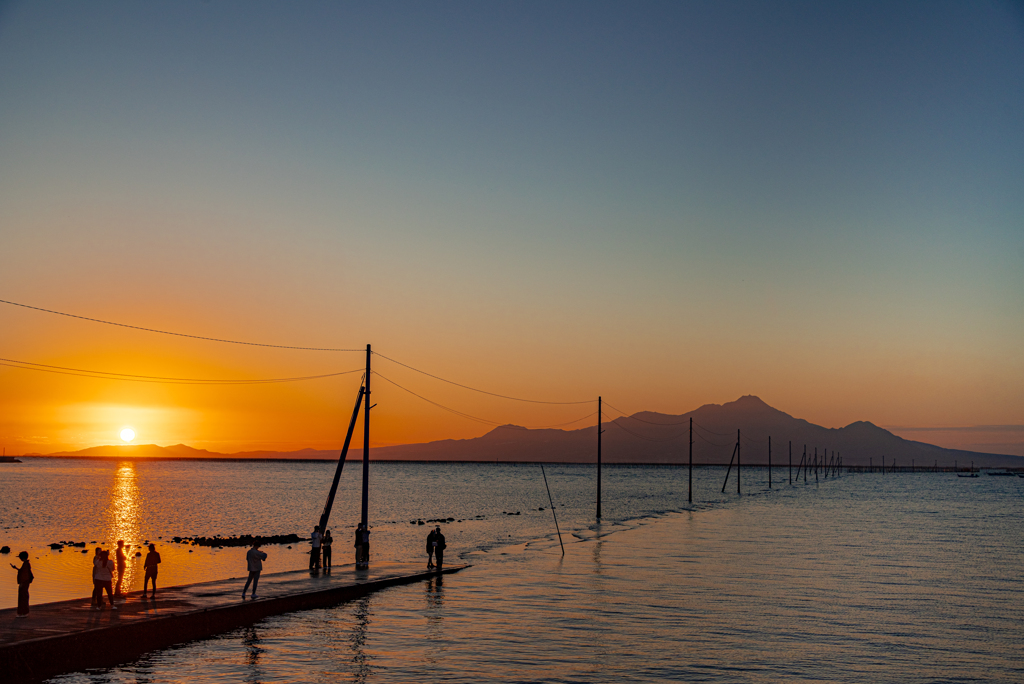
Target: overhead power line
176	334
104	375
476	418
711	432
710	442
474	389
647	439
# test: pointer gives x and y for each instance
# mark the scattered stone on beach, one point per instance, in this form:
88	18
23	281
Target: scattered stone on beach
5	549
138	554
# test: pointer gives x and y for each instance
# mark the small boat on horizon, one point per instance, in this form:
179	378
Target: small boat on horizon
967	474
1004	473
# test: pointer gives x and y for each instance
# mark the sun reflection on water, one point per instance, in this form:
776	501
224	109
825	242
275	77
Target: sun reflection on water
124	514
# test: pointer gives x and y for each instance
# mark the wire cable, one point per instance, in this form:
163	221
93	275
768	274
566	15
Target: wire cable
476	418
647	439
104	375
712	432
474	389
710	442
625	415
176	334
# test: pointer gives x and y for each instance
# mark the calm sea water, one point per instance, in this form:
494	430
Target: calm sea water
864	578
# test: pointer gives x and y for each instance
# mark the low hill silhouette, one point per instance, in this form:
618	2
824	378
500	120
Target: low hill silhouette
645	437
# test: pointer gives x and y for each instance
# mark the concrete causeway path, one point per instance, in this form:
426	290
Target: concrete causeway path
66	636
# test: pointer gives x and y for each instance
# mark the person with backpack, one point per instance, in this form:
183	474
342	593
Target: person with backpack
25	578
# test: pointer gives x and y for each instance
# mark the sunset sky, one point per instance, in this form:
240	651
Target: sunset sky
667	204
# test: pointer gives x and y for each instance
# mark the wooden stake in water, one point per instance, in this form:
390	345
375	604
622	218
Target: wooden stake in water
552	508
738	462
690	484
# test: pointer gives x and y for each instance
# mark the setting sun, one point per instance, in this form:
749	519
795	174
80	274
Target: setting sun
127	434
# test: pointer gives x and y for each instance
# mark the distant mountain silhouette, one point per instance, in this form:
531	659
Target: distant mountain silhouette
644	437
649	437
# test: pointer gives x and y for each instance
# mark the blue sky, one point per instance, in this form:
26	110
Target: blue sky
670	203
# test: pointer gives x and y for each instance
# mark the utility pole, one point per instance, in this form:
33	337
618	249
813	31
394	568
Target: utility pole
690	485
599	458
790	461
366	445
769	461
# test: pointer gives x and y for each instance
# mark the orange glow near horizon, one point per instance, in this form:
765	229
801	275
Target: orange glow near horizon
45	412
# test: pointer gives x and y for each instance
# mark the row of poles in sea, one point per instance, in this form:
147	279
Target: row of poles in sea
826	466
822	467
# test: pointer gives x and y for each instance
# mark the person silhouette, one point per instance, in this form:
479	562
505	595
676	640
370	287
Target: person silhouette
362	545
314	552
254	559
326	549
102	575
439	547
122	565
152	561
431	543
25	578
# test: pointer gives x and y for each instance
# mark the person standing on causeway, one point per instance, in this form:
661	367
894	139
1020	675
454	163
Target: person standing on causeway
122	565
439	547
326	545
152	561
314	553
254	558
25	578
431	543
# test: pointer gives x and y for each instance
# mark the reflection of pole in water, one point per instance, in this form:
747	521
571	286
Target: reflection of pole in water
357	641
124	514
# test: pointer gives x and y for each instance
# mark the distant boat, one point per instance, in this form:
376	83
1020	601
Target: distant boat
9	459
1000	474
967	474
